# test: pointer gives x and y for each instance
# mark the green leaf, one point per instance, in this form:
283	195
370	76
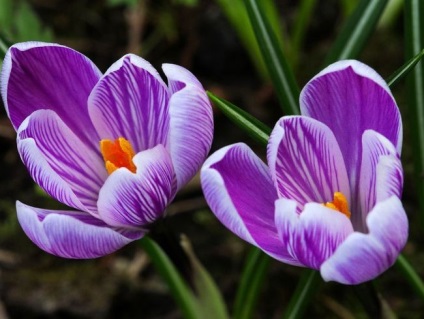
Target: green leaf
205	301
29	27
208	298
356	31
6	14
252	126
178	288
255	269
404	70
236	13
411	275
281	75
3	47
414	36
306	288
130	3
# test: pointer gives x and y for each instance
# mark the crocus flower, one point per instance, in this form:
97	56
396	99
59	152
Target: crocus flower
329	197
115	147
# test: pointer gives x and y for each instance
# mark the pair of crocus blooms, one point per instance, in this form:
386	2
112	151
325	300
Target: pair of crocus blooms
117	147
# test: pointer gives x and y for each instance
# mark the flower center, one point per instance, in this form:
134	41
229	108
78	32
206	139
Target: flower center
339	203
117	154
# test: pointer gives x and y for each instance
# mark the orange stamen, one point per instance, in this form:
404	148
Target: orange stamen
339	203
117	154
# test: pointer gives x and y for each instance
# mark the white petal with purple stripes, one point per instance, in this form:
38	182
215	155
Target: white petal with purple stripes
191	122
71	234
60	162
363	257
135	200
131	101
239	191
313	235
38	75
305	161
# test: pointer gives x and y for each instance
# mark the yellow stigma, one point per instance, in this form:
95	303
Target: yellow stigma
339	203
117	154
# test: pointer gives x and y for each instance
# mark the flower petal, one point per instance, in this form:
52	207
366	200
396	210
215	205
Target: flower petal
60	162
381	171
363	257
38	75
131	101
239	191
313	235
305	161
350	97
71	234
191	126
137	200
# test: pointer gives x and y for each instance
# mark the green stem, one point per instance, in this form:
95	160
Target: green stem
411	275
281	75
179	290
251	282
309	283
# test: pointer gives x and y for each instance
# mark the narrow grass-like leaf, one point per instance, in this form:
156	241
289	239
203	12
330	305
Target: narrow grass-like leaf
356	31
404	70
236	13
281	75
4	45
252	126
411	275
209	299
308	284
255	269
414	36
179	289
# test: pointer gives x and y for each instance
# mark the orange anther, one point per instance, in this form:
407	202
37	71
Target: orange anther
117	154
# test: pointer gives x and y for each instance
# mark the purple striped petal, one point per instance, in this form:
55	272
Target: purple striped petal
313	235
39	75
60	162
305	161
350	97
131	101
239	191
380	170
191	127
363	257
71	234
137	200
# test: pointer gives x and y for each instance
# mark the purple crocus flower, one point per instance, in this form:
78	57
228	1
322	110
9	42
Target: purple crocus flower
114	147
329	197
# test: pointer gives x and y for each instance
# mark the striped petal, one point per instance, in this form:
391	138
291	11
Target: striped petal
313	235
72	234
38	75
362	257
381	172
131	101
137	200
191	122
60	162
350	98
305	161
239	191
